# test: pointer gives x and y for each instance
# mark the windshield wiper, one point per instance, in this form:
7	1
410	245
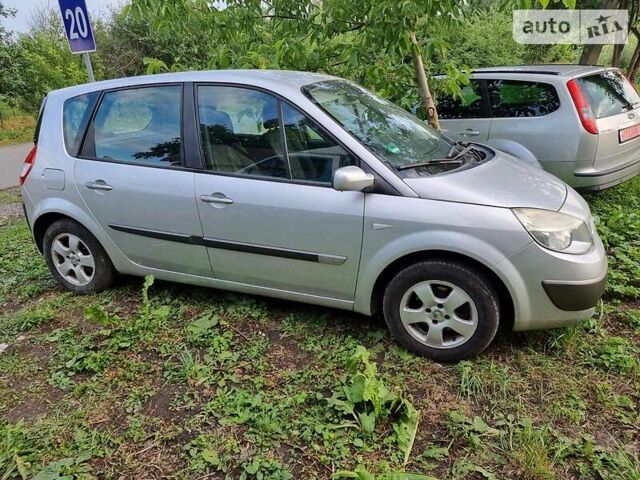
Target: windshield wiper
452	158
466	148
442	161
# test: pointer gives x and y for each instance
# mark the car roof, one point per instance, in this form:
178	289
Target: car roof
280	81
564	70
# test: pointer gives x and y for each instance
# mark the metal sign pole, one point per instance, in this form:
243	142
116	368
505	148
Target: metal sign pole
87	62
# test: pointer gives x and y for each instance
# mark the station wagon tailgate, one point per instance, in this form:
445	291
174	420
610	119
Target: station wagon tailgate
616	107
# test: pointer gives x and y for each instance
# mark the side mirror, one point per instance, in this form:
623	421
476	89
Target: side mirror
351	179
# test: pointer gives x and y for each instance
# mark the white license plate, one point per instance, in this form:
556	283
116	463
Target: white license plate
630	133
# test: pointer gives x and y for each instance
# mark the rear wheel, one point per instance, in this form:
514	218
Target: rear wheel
442	309
76	259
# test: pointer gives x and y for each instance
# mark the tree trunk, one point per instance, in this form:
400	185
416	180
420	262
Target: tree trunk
634	65
423	84
616	58
590	54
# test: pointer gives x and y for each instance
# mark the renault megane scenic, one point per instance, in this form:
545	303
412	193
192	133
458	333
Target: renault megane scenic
310	188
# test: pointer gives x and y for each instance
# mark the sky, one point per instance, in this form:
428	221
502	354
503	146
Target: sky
25	8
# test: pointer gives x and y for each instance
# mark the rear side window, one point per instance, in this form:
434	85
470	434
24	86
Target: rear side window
469	105
139	126
609	93
75	116
513	98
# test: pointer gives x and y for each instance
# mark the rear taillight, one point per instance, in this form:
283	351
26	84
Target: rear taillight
28	164
582	106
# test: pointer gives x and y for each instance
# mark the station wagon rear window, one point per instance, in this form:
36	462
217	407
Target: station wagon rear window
609	93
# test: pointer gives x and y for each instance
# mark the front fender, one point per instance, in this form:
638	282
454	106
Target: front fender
424	242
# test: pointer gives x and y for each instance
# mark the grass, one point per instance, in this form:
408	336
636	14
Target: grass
15	127
158	380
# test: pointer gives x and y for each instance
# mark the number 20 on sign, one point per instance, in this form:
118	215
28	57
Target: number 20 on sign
77	26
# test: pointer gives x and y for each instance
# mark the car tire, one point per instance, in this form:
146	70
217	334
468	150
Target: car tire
76	259
442	309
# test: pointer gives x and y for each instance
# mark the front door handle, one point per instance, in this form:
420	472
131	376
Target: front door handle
98	185
470	132
216	198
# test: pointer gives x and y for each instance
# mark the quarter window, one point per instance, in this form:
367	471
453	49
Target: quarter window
512	98
75	116
138	126
468	105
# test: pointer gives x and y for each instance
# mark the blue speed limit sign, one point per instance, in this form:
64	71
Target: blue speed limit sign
77	26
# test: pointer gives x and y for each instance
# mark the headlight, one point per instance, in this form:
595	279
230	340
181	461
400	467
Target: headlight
556	231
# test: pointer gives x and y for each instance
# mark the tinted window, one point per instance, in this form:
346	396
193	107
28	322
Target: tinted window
511	98
140	126
609	93
312	155
469	105
75	116
240	131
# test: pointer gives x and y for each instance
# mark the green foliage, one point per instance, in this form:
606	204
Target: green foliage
366	398
617	354
16	451
67	469
618	222
361	473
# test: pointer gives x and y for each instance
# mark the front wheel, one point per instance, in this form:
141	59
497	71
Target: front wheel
442	309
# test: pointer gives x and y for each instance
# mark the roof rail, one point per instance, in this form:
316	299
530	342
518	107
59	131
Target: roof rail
535	72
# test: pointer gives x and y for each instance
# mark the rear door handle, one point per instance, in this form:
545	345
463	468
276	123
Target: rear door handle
98	185
470	132
216	198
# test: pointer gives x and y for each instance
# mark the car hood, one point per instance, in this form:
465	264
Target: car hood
503	181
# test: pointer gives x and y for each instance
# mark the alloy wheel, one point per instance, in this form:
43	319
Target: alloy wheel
73	259
439	314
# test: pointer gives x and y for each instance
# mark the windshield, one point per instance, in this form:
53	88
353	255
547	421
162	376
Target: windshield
395	136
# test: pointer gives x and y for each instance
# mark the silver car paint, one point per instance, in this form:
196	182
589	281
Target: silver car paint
557	140
459	214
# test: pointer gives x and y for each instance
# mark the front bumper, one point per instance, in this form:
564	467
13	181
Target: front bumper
551	289
575	296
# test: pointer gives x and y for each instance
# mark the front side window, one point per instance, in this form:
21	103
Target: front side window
609	93
240	131
249	132
312	155
395	136
138	126
75	116
514	98
468	105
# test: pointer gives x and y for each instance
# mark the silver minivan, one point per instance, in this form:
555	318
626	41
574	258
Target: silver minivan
581	123
310	188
